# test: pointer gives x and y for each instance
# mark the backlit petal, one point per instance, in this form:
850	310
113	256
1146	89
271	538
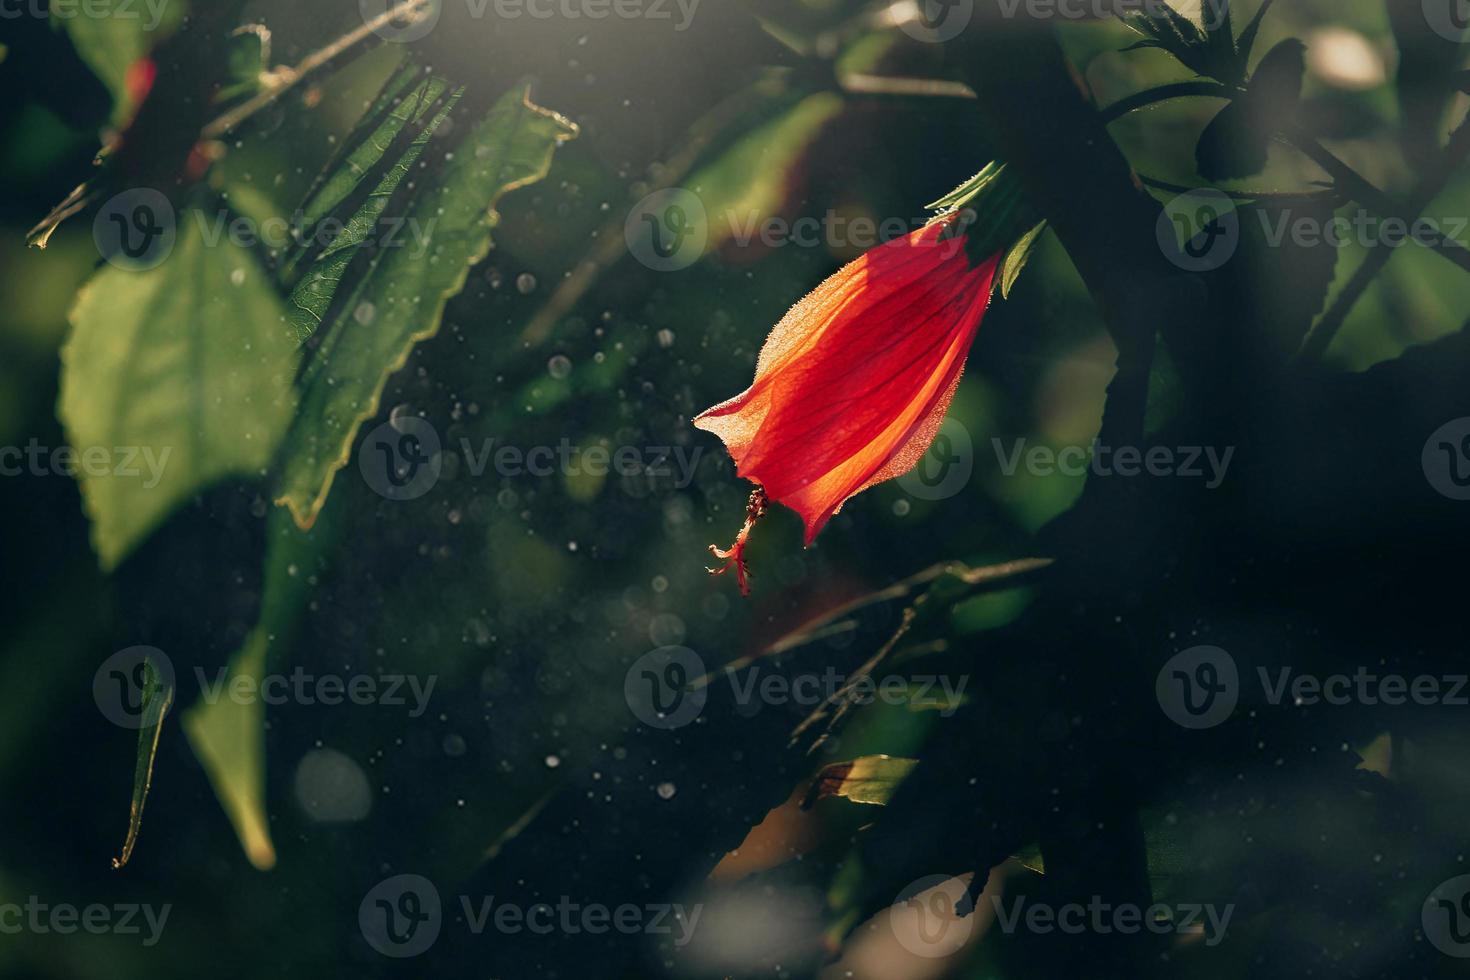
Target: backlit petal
853	383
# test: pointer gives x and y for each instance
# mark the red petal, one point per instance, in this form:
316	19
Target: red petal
853	383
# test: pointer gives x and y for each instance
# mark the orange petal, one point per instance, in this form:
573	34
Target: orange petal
852	385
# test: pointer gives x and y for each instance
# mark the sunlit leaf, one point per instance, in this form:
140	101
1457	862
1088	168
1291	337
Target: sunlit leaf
1017	257
228	736
751	182
362	150
872	779
312	297
408	289
191	362
969	191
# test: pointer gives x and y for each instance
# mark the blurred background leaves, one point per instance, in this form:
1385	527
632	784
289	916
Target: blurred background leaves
528	598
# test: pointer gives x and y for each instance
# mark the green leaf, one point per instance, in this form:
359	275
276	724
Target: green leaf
228	737
111	35
1144	45
312	298
1219	30
1280	76
407	289
1235	143
997	214
1017	257
1248	36
1186	29
971	189
1218	19
751	181
157	698
362	150
872	779
1146	27
1172	30
191	362
1208	51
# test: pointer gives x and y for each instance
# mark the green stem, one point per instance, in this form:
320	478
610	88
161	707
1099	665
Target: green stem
1164	93
1366	193
288	78
1173	188
1322	335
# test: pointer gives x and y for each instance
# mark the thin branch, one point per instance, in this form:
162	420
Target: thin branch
1164	93
1000	576
285	79
1322	335
1366	193
1357	187
909	87
899	87
1173	188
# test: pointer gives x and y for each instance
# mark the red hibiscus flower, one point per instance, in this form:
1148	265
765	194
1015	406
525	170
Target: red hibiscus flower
853	384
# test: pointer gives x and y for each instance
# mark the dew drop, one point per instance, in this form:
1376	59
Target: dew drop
332	788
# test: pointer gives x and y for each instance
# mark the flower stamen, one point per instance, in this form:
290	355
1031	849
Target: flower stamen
734	555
